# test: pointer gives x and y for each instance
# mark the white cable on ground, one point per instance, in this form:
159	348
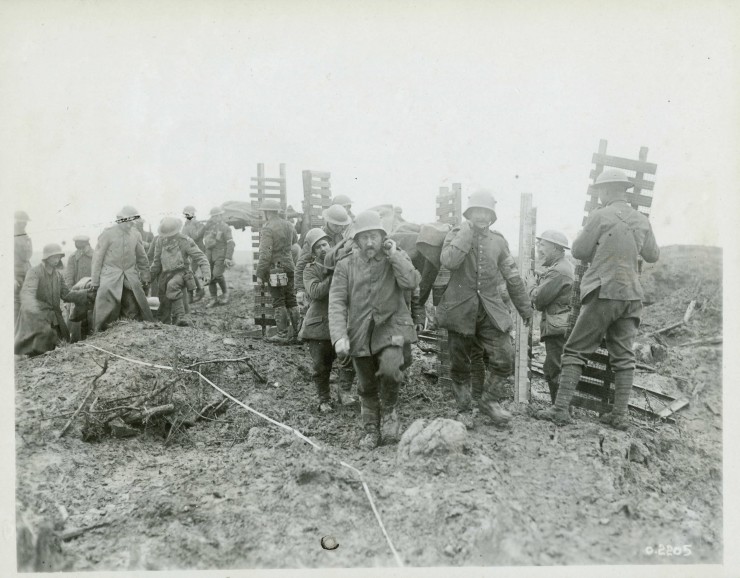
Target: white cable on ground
277	423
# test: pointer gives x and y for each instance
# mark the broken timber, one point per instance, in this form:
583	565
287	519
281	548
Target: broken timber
449	210
264	188
316	198
595	389
523	341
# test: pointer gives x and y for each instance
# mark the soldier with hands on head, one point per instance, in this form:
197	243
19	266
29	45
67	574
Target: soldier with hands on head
219	244
173	255
612	240
550	293
370	321
472	309
120	272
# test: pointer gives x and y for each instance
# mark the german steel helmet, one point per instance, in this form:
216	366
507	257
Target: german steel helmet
189	211
341	200
481	200
128	212
51	249
368	221
22	216
217	211
336	215
314	236
613	176
271	205
169	226
555	237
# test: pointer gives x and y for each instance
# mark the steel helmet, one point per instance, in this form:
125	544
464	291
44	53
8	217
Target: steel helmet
22	216
481	200
368	221
314	236
169	226
271	205
336	215
555	237
613	176
341	200
128	213
52	249
81	238
189	211
217	211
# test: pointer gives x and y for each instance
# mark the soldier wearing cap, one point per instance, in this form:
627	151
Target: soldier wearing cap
472	309
194	228
612	239
276	269
40	324
550	293
370	321
315	329
173	255
79	267
219	244
23	249
120	272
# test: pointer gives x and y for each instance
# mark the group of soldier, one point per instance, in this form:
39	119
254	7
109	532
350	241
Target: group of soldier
355	293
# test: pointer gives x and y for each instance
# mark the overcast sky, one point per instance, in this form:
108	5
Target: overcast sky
162	104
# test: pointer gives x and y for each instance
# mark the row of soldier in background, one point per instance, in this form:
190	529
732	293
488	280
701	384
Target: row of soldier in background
366	288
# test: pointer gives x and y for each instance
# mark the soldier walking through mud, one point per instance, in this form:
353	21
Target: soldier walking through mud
219	244
276	269
550	293
120	272
22	251
79	269
612	239
173	255
194	229
472	309
370	321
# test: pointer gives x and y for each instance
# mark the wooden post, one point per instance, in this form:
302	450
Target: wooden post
523	342
265	188
316	197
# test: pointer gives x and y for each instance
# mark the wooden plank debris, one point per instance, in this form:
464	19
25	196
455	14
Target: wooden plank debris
523	340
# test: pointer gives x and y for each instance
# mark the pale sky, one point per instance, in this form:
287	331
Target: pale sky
163	104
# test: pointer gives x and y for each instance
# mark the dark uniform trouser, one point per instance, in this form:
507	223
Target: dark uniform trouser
554	345
379	394
284	296
615	319
322	356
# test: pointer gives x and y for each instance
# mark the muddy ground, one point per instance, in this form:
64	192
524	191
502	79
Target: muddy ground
233	491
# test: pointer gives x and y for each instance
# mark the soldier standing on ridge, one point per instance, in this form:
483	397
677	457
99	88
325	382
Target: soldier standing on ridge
370	321
173	254
551	295
219	245
23	249
611	295
79	266
472	309
194	229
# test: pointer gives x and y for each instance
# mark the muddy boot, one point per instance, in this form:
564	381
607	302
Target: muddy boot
281	318
345	377
165	311
466	418
553	387
370	415
619	417
325	407
488	404
461	391
213	291
198	294
499	388
178	314
295	321
390	427
553	414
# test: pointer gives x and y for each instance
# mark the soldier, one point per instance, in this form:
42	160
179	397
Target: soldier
40	324
550	293
173	254
120	272
23	249
219	244
472	308
611	295
370	321
194	229
346	202
79	267
276	269
147	237
317	279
